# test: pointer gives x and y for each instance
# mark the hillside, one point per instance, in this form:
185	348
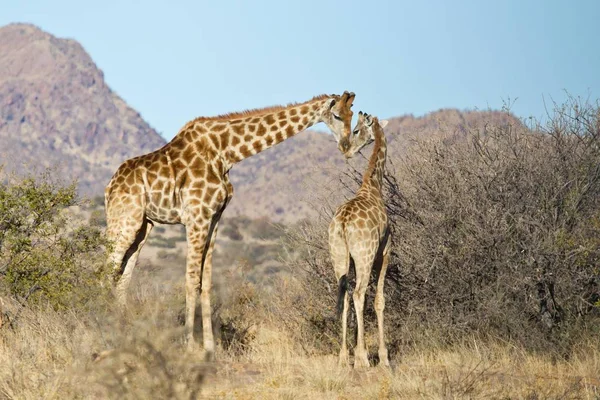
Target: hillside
57	111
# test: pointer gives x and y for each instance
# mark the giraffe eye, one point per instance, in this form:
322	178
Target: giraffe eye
355	132
337	117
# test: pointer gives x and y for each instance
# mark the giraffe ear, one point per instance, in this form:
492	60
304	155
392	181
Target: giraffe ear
383	123
331	103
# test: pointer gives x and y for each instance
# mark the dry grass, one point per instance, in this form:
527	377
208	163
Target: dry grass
139	354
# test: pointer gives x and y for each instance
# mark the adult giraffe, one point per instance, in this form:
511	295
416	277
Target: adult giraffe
187	182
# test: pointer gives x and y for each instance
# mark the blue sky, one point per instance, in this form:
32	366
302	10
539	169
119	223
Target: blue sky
173	61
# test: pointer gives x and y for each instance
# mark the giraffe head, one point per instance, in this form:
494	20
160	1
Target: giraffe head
337	115
364	133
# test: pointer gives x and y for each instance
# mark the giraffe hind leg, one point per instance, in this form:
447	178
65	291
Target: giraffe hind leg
363	272
381	265
131	257
127	234
340	258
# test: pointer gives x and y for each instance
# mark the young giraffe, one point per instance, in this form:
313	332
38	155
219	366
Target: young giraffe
187	182
359	232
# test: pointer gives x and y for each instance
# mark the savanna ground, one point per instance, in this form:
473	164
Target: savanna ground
493	289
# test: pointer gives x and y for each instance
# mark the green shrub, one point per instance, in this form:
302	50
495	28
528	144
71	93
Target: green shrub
44	255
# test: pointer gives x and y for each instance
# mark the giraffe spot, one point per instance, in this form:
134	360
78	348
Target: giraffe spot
232	155
130	179
261	130
208	195
282	114
269	140
239	129
252	127
248	138
257	146
269	119
245	151
361	223
289	131
195	201
209	123
178	164
211	177
235	141
315	106
219	127
274	128
293	111
279	137
155	167
164	171
255	120
188	153
177	143
362	214
216	140
159	185
282	123
188	135
225	139
200	129
295	119
235	122
305	121
304	109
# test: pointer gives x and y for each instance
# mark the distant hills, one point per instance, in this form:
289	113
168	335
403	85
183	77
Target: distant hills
57	111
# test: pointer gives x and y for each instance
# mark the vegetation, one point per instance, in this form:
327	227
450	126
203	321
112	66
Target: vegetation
496	235
45	256
493	289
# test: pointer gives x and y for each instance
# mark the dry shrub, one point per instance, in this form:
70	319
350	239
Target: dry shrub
138	353
237	311
496	232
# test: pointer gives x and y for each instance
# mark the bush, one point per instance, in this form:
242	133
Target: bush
496	232
43	254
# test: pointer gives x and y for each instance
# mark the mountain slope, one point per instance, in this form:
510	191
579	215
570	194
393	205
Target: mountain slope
56	109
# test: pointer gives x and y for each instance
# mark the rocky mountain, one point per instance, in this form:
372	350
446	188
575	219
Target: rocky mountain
57	111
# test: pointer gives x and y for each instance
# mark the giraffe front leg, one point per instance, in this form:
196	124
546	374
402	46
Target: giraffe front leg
197	235
205	304
379	307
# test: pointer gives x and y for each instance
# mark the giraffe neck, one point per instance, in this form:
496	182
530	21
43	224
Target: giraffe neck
373	177
241	135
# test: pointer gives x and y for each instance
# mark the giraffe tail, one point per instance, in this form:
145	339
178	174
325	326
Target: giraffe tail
342	290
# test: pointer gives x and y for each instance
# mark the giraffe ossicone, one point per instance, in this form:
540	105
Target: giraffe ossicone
187	182
359	231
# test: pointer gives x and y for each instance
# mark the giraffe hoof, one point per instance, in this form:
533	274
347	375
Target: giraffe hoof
207	355
344	361
361	362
